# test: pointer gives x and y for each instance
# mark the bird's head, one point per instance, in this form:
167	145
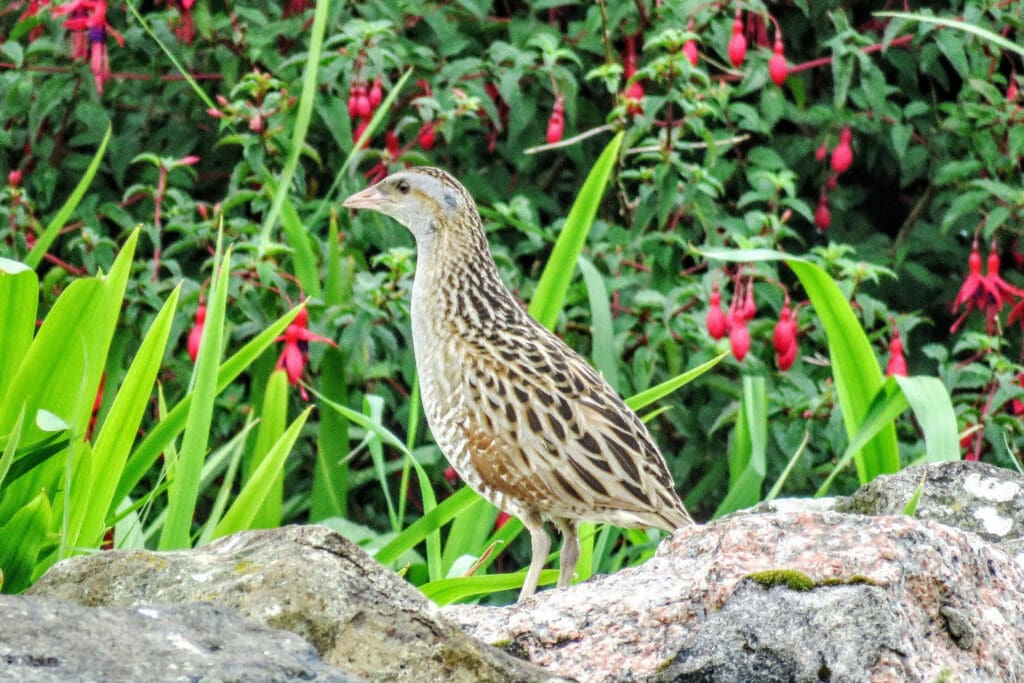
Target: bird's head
423	199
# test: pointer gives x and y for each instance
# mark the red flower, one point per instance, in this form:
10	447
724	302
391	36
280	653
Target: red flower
426	136
294	356
634	96
785	361
784	338
376	94
715	320
739	338
988	293
842	155
749	309
897	365
777	68
690	51
556	124
822	216
196	335
738	42
391	144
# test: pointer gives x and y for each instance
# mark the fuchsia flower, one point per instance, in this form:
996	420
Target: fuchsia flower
295	356
988	293
897	365
87	20
715	319
196	335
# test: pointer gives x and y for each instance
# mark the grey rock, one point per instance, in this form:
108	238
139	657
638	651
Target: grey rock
851	628
973	496
45	640
360	616
891	598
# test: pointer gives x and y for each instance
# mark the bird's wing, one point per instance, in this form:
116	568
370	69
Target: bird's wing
559	429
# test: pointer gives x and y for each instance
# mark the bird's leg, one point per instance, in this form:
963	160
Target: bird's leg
570	554
540	544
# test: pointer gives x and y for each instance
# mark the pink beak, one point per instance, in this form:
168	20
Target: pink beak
370	198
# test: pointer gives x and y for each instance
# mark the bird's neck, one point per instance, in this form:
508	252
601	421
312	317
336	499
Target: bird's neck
457	280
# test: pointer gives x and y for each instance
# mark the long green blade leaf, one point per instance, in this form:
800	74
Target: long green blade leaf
554	281
35	256
160	437
256	491
303	115
185	471
933	409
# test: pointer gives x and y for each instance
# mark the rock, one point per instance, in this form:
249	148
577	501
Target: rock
359	615
43	640
795	596
974	496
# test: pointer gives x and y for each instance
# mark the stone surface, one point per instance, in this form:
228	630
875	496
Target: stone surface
851	628
894	599
974	496
360	616
44	640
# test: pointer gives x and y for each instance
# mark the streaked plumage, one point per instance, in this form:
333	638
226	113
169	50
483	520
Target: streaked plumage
522	418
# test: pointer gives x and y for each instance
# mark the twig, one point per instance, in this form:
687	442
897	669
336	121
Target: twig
570	141
688	145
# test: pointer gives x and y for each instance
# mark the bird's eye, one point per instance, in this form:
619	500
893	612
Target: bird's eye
403	186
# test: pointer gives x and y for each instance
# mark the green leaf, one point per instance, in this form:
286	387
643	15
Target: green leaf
300	127
19	297
446	591
985	34
550	294
273	419
910	509
933	409
330	476
35	256
116	435
7	457
886	406
185	470
649	396
429	523
60	373
747	459
22	538
605	359
254	494
161	436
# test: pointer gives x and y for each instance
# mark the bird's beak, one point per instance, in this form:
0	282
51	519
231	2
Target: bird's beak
370	198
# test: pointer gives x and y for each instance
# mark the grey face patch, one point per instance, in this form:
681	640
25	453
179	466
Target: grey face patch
433	226
450	200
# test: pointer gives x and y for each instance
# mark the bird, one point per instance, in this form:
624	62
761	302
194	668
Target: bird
521	417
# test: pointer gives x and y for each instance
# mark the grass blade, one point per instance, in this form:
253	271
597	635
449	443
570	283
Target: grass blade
605	359
167	429
254	494
930	402
554	281
303	114
655	393
114	441
988	36
185	471
35	255
747	459
19	300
